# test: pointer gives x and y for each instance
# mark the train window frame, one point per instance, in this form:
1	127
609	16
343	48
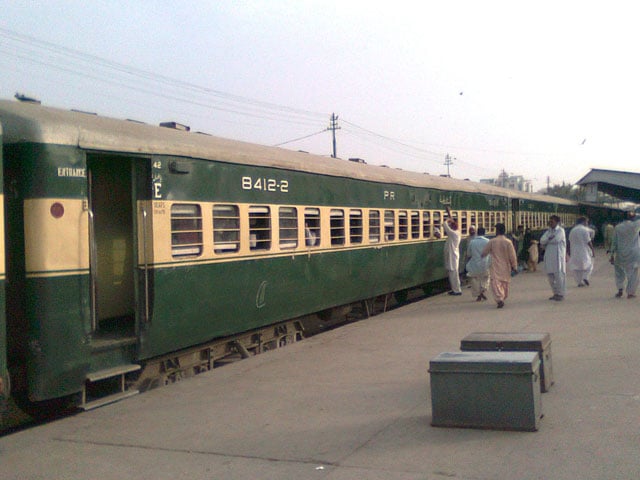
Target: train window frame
427	227
226	228
438	216
260	235
312	227
403	225
187	235
374	226
487	221
337	232
415	224
287	227
464	225
389	223
356	227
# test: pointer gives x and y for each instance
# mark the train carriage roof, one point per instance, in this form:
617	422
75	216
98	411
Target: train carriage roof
28	122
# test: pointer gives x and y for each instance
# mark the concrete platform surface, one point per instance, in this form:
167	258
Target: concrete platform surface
354	403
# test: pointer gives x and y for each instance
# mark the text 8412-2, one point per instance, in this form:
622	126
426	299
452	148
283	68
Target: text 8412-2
265	184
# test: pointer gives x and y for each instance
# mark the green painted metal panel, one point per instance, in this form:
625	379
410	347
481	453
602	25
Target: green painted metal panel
193	304
45	170
57	351
494	390
211	181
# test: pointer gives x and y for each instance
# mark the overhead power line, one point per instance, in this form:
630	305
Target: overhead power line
71	61
300	138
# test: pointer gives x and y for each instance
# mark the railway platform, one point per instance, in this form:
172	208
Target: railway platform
354	403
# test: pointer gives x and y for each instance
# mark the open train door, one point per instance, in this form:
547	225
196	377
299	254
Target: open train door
116	185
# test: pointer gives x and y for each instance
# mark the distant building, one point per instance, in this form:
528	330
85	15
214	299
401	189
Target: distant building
512	182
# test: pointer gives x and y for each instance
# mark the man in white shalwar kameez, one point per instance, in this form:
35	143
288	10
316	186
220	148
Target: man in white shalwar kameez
581	252
554	242
625	254
452	253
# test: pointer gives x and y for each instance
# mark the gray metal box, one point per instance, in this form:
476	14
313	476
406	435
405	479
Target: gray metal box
493	390
515	342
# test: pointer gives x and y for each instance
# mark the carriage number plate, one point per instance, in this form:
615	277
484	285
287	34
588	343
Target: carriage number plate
265	184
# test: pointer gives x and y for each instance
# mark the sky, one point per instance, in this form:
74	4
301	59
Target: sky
546	90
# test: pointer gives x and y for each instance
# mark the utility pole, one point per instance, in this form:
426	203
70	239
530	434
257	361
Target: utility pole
333	126
448	161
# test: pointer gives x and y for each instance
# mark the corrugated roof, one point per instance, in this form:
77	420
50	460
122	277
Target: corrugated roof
619	184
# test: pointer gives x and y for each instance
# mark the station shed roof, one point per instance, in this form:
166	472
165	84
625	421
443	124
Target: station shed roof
622	185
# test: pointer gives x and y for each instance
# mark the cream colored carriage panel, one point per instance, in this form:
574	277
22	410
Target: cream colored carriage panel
56	236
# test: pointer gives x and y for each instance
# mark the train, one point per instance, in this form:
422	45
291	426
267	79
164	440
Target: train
134	255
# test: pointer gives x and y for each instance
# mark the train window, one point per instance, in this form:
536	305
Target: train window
312	227
473	219
456	216
487	221
493	221
403	225
259	228
464	226
415	224
437	223
337	227
389	225
226	229
186	230
355	226
426	224
288	227
374	226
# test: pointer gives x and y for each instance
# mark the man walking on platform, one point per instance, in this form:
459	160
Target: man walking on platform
503	262
554	241
477	266
625	254
581	252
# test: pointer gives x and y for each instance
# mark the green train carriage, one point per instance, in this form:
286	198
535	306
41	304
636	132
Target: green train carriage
128	243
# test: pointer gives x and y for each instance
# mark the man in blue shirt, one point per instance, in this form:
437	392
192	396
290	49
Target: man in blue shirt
478	267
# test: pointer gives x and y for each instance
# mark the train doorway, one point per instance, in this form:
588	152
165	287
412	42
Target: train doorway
112	223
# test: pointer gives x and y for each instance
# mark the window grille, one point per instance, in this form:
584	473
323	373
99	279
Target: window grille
259	228
226	229
355	226
186	230
403	225
312	227
389	225
426	224
374	226
415	224
337	227
288	227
